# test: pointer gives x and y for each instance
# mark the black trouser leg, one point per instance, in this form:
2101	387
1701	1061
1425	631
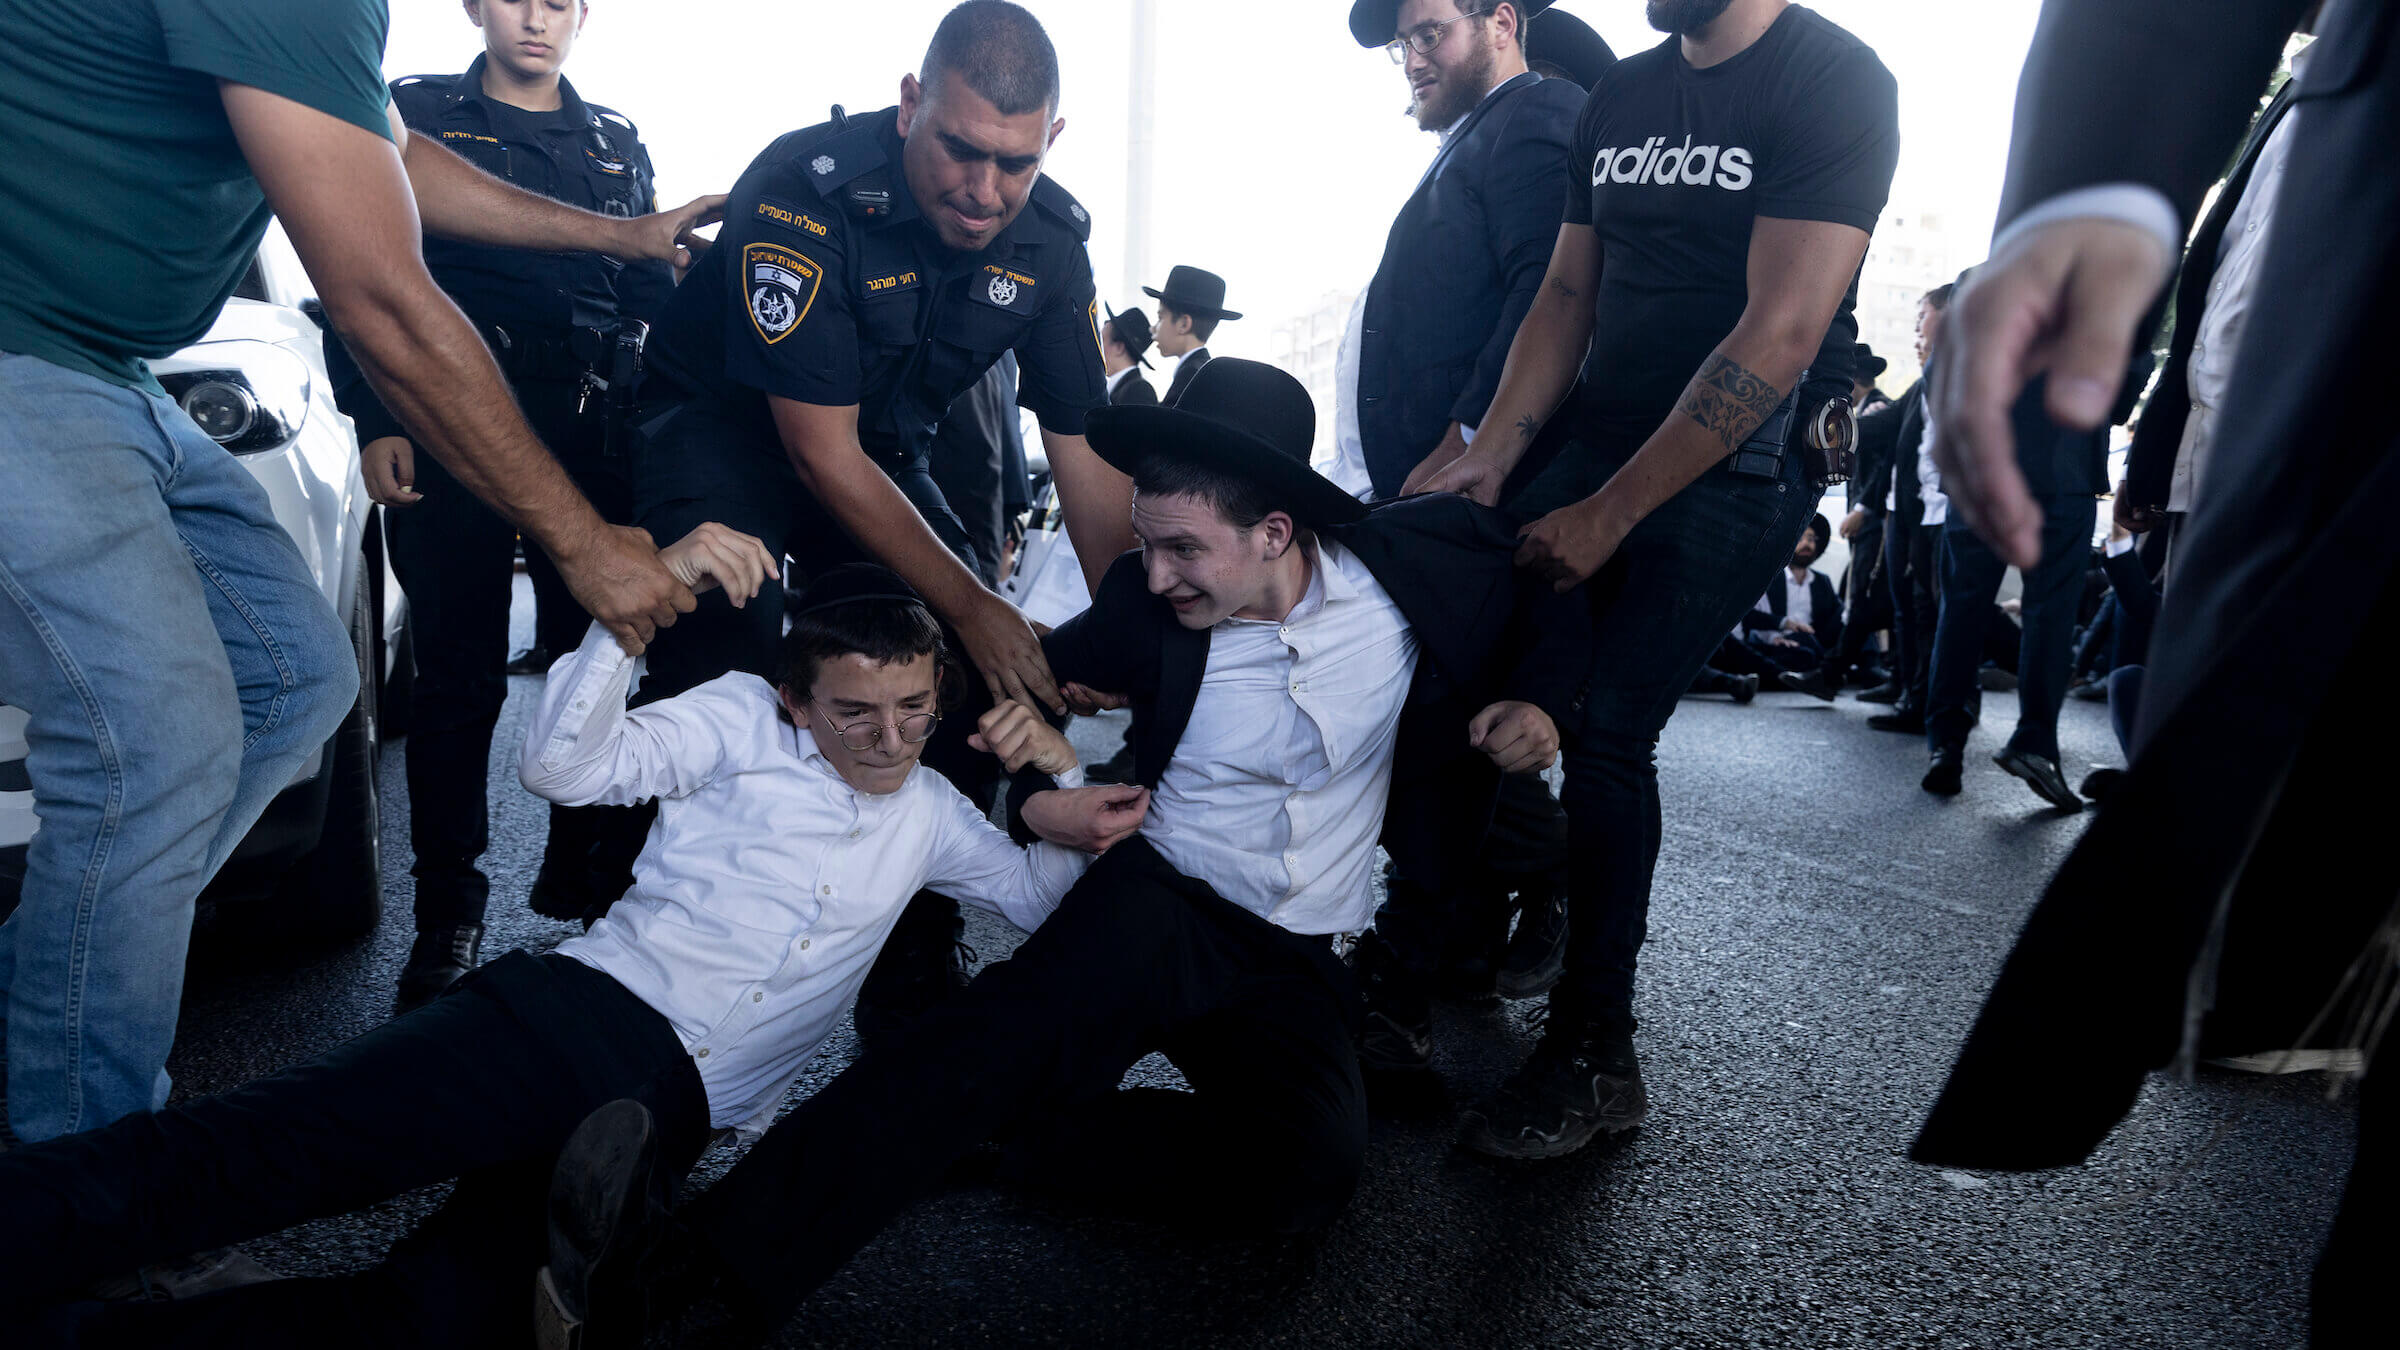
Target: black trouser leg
1135	954
451	553
1869	602
496	1073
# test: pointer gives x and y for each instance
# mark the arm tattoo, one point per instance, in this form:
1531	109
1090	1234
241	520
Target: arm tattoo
1527	426
1728	400
1565	291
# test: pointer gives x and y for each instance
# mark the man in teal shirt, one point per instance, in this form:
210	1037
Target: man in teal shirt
175	659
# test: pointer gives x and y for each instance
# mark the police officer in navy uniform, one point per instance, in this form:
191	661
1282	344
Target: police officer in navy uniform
871	269
552	321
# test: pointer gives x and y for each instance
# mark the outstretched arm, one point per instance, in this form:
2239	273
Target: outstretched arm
456	200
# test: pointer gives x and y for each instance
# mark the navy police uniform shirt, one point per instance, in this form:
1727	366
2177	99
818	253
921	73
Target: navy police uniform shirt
801	299
582	154
1671	165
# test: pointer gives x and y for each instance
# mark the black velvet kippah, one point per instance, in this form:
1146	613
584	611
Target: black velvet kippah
852	582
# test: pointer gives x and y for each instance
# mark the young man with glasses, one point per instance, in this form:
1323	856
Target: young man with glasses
794	826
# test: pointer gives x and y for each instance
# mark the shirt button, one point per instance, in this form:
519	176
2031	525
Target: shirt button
825	890
703	1054
581	706
758	998
854	834
804	944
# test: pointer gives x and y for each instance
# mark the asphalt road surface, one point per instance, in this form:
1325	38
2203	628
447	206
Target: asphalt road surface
1821	936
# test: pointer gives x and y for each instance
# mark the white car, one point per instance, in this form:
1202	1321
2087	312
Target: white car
257	384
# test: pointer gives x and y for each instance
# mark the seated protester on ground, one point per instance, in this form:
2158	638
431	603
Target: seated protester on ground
1290	660
1799	619
699	995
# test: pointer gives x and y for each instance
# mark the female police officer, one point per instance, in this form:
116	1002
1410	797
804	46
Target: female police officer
552	320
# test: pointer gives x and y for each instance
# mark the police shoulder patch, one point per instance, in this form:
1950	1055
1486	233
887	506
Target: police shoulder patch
1060	205
782	285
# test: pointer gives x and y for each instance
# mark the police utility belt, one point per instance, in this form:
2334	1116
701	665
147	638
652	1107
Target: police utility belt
1825	437
606	363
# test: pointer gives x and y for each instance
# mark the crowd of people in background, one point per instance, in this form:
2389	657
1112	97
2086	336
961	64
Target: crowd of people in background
1588	417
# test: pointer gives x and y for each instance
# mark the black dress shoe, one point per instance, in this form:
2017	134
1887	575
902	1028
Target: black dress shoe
1577	1085
2100	784
1946	775
2041	775
1888	692
1901	719
562	889
1816	684
1537	951
1744	688
439	958
534	660
608	1200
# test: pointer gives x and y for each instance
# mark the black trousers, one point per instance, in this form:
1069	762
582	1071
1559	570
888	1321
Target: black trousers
453	556
1868	597
1426	920
1137	958
483	1084
1912	559
1971	576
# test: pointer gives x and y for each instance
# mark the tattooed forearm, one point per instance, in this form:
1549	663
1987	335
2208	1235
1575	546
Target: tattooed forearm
1527	427
1562	290
1728	400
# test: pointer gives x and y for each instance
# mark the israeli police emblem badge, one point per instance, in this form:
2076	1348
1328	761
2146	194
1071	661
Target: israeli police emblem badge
1003	291
821	165
782	285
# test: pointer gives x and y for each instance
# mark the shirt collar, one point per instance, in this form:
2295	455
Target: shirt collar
470	89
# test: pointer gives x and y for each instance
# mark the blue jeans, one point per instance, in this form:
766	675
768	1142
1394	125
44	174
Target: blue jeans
1971	575
1675	587
177	665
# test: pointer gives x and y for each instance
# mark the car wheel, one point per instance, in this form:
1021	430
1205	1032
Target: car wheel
334	892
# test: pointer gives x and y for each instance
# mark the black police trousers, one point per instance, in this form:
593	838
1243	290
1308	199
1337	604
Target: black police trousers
483	1084
453	555
1137	958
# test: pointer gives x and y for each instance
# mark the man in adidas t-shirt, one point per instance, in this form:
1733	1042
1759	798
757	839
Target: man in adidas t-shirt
1719	198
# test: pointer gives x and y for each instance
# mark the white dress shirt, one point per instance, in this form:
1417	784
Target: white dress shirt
1929	480
1109	387
2209	376
1798	605
768	883
1275	794
1346	462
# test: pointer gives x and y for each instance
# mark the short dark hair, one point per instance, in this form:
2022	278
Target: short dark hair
882	631
1938	297
1203	325
1241	502
1002	53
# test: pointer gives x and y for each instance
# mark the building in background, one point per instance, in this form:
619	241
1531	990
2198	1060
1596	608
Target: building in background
1913	251
1307	346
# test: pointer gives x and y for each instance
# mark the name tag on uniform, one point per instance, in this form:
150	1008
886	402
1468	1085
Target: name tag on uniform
790	217
1003	288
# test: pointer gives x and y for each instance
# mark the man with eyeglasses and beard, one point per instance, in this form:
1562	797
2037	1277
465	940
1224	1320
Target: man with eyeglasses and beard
1720	197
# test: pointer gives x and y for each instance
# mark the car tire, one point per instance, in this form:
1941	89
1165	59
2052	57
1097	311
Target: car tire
334	892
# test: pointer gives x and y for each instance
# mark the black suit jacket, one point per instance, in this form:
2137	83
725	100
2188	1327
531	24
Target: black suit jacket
2150	464
1878	442
1460	268
1485	630
1133	391
1185	369
1824	609
1898	479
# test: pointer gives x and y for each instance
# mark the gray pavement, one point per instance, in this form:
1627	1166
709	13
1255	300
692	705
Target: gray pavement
1821	936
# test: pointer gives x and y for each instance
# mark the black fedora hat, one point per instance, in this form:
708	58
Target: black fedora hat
1376	22
1132	328
1245	419
1868	364
1194	292
1562	40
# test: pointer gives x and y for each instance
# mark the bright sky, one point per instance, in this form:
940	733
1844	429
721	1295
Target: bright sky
1281	151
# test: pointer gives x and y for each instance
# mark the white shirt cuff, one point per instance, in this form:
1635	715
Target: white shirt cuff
1072	778
2117	548
2136	204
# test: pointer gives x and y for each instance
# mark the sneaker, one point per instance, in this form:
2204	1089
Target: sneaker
1398	1033
2041	775
608	1200
200	1273
1818	684
1579	1083
1537	952
440	957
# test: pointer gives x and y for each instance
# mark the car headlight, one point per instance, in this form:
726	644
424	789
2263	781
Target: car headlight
248	396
